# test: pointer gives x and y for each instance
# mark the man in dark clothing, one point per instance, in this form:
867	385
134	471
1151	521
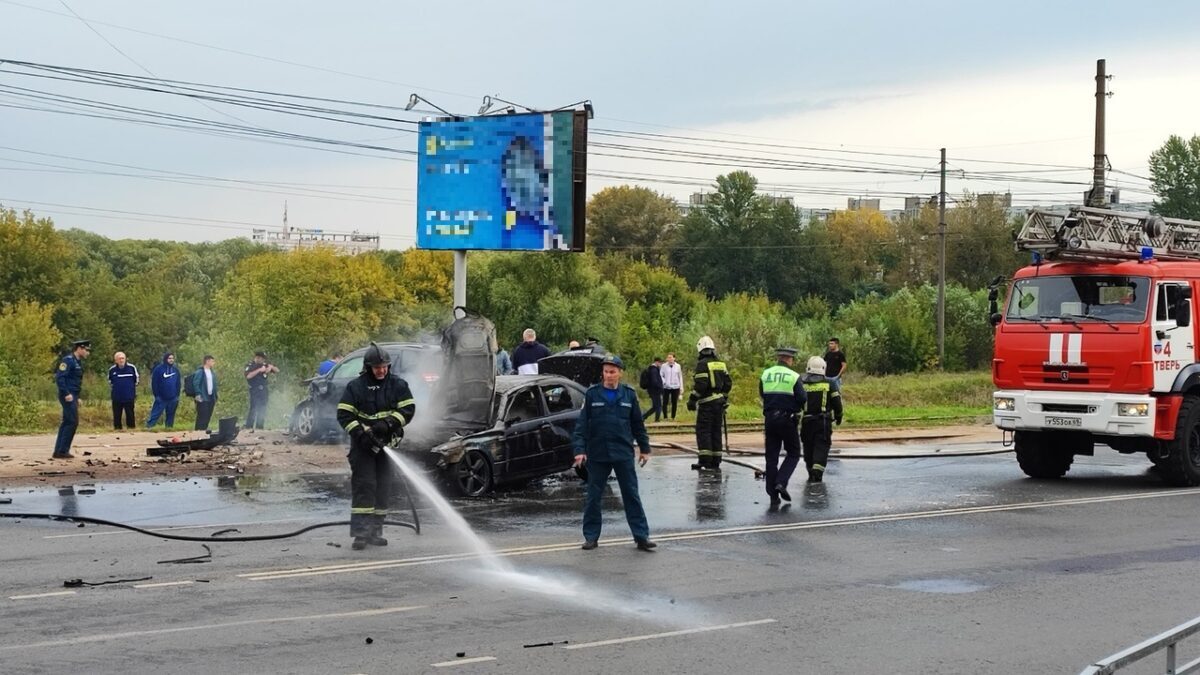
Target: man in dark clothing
608	425
374	410
711	385
822	409
256	377
527	354
653	384
165	383
69	380
204	382
782	398
835	361
123	378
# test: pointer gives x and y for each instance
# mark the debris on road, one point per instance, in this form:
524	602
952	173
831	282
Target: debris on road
76	583
207	557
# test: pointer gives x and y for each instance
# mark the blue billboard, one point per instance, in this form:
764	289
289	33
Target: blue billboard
502	182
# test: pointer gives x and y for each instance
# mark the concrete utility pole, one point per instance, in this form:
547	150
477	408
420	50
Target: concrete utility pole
941	300
1100	158
460	278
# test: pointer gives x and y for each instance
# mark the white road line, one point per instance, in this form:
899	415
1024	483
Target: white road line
371	566
104	637
170	529
40	595
655	636
462	662
164	584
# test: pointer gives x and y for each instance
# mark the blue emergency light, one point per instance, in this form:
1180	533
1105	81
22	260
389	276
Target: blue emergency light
1147	254
1037	258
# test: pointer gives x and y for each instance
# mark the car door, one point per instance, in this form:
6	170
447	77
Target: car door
523	418
562	409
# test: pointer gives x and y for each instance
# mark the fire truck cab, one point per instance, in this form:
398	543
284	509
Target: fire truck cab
1096	343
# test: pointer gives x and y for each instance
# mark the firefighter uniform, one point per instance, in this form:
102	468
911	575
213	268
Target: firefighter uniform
373	411
711	385
822	409
68	377
783	397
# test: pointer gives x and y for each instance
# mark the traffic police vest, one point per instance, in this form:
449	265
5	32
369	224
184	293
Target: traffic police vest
779	392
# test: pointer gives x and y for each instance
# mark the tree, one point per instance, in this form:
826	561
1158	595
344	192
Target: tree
36	262
633	221
1175	178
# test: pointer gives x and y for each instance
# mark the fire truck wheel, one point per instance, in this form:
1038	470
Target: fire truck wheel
1040	456
1181	466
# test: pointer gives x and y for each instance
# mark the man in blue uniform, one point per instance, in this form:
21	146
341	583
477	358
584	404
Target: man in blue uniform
69	378
166	383
256	377
123	378
782	399
608	426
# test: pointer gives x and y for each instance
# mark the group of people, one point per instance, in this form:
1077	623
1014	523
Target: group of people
167	384
525	356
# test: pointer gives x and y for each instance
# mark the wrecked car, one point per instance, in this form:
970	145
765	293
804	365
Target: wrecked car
315	417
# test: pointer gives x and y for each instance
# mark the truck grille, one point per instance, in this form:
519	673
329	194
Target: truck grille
1068	408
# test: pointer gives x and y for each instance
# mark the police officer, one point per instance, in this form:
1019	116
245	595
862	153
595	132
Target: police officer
782	399
374	409
608	426
256	377
69	378
711	385
822	409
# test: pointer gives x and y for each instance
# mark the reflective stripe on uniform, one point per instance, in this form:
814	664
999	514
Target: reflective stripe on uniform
367	510
396	414
407	401
347	406
713	397
352	425
380	512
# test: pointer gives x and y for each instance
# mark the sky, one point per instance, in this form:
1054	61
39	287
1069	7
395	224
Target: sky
869	91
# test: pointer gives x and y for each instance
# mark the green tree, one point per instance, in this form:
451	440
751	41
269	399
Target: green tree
633	221
28	339
36	262
1175	178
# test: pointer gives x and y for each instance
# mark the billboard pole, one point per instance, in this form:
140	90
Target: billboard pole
460	278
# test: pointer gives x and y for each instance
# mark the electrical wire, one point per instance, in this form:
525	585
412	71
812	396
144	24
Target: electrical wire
415	526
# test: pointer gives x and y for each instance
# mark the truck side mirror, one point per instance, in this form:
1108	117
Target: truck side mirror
1183	312
994	319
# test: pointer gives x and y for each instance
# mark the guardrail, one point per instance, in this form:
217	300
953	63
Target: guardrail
1164	641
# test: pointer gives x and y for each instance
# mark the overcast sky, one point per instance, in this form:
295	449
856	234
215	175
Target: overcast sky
886	83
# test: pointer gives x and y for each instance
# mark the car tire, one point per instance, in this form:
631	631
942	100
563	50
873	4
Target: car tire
1181	465
473	475
1039	455
305	423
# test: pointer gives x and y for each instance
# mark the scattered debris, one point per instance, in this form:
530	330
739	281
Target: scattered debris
225	531
369	640
87	453
461	654
52	473
76	583
86	491
330	543
207	557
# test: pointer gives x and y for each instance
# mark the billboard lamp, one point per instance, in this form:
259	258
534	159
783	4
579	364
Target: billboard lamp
415	98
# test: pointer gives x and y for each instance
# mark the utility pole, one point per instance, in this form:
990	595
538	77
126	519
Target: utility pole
1100	158
941	299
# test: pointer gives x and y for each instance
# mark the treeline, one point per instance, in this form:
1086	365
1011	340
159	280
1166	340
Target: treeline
743	269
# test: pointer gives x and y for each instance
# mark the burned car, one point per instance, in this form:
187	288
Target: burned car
315	417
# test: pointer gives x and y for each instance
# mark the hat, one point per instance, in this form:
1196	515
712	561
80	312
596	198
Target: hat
613	359
86	344
261	353
816	366
786	351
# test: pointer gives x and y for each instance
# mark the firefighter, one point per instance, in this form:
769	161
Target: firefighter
69	379
822	409
374	410
710	388
783	397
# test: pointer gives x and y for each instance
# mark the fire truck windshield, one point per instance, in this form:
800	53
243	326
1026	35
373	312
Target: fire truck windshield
1110	299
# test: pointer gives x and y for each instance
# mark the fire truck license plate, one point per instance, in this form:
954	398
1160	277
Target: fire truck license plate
1063	421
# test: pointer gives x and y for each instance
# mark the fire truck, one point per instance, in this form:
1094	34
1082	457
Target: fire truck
1096	342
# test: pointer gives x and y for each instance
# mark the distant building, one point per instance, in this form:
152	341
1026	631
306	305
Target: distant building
292	238
860	203
1004	201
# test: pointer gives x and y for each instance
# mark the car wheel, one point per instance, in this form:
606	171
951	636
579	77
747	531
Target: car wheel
306	423
473	476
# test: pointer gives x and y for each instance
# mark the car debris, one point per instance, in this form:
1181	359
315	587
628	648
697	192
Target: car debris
77	583
207	557
227	432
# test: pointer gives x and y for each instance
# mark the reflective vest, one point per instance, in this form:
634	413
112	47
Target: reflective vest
779	390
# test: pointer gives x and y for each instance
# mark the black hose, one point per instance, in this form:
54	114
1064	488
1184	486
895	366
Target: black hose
183	537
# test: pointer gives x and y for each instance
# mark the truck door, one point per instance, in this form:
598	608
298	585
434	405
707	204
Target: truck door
1172	345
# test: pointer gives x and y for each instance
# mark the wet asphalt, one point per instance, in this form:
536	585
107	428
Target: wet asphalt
938	564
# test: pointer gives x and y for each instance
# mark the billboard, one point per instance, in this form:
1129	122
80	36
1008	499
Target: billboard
503	182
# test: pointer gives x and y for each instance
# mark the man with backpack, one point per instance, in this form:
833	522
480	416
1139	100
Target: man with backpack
651	381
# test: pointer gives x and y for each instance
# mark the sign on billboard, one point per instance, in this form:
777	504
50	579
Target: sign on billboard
503	182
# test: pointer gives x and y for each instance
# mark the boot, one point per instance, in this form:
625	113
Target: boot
376	536
359	543
376	540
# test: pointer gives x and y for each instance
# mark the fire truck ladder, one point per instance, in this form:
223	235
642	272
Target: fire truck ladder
1086	233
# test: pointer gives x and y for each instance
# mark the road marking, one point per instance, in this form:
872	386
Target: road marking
104	637
169	529
370	566
462	662
164	584
40	595
655	636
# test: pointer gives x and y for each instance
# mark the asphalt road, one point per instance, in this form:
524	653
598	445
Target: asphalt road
938	565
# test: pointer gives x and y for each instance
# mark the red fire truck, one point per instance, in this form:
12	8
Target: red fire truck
1096	343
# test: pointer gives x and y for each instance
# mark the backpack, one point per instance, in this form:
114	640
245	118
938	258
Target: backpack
189	386
644	382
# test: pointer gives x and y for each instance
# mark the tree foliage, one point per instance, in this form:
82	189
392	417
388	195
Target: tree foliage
1175	177
633	221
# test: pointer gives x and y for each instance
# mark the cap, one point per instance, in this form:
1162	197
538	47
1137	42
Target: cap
86	344
613	359
261	353
786	351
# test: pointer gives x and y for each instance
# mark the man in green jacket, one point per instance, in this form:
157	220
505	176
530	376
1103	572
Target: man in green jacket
608	426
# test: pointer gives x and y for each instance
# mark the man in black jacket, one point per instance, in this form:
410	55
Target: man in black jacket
711	385
653	384
374	410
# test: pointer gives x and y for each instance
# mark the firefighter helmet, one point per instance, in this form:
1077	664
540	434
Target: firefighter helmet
705	343
376	356
816	366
